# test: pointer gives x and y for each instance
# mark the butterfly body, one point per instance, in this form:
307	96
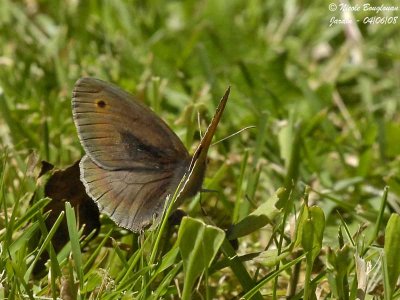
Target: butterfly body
133	159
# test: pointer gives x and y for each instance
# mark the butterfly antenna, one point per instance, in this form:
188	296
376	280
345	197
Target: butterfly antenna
233	134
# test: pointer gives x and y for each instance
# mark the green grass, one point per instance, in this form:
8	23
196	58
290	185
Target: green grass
311	192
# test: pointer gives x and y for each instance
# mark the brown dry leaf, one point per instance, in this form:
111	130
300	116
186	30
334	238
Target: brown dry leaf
65	185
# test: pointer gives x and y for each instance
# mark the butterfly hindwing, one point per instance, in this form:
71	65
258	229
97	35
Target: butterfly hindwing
132	199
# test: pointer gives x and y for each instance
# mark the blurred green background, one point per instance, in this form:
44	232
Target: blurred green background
287	68
281	58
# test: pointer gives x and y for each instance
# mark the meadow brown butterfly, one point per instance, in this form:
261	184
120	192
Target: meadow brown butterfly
133	159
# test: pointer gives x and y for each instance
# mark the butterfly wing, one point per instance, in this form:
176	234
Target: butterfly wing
131	198
118	132
133	160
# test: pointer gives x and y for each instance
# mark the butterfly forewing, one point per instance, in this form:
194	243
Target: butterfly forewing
133	160
118	132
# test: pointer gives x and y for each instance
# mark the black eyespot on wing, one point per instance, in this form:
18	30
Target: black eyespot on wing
101	104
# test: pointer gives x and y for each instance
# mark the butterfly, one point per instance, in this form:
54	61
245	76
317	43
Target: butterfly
133	159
